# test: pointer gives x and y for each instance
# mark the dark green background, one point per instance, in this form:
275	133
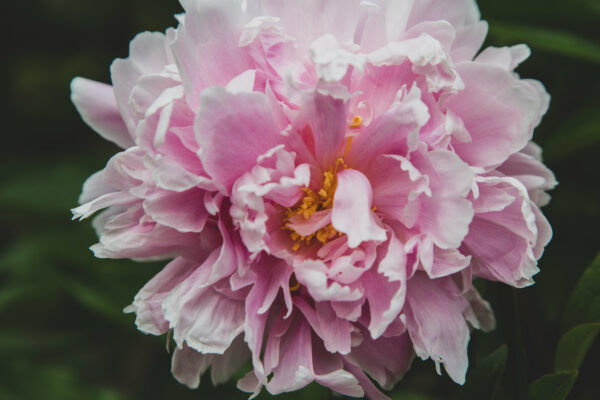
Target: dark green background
62	332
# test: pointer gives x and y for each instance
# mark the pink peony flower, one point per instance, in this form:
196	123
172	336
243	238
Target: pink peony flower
326	178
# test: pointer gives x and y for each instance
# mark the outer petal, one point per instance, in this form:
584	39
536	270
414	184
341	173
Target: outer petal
386	359
512	256
205	319
147	304
182	211
435	322
352	213
148	54
97	106
188	364
498	110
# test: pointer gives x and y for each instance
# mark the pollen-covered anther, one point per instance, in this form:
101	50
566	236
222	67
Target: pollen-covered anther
312	202
356	122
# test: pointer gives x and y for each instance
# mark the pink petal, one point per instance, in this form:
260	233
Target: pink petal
147	304
206	46
188	365
326	117
148	54
233	130
498	111
435	322
395	132
307	226
352	213
334	332
182	211
445	216
97	106
206	320
397	186
375	358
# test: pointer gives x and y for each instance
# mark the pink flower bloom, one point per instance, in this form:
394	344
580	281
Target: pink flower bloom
326	178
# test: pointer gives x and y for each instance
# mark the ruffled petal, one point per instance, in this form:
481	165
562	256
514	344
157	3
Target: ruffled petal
233	130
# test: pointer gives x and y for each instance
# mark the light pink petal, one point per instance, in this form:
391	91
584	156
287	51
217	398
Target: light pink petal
445	216
205	319
338	17
334	332
307	226
479	314
446	262
147	303
386	300
544	232
127	234
188	365
326	117
510	257
507	58
370	390
313	274
428	58
227	365
233	131
397	186
516	109
206	46
469	40
352	213
107	200
532	173
385	288
378	87
395	132
303	360
435	322
249	383
171	175
182	211
97	106
148	54
295	369
386	359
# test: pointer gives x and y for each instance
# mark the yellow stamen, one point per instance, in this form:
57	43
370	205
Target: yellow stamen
294	284
313	202
348	146
356	122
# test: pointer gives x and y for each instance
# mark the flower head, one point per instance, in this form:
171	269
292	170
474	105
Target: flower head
326	178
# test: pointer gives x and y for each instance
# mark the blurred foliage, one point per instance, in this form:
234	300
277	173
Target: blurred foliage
62	332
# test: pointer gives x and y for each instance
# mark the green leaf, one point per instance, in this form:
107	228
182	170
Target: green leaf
583	304
557	42
553	386
574	345
484	381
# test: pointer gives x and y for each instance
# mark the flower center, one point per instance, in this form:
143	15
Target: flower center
321	200
312	202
